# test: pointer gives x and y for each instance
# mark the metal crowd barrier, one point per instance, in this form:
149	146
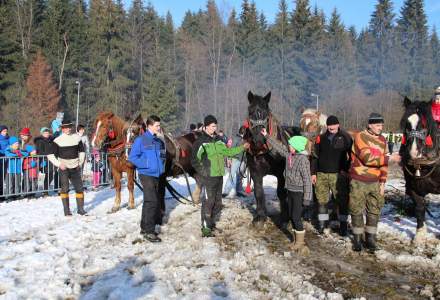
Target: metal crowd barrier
35	176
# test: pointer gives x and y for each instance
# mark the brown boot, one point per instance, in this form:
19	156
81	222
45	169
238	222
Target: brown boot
65	200
80	203
299	245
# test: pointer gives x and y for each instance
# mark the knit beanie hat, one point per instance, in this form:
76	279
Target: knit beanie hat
298	143
44	129
13	140
25	131
209	119
375	118
332	120
3	127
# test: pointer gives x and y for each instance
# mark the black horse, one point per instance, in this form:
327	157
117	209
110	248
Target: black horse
420	158
260	160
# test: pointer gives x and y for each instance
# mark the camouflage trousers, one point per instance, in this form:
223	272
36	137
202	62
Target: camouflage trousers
338	185
365	197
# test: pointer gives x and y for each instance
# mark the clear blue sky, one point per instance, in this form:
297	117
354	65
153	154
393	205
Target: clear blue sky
353	12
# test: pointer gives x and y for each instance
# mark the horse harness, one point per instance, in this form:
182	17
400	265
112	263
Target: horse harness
418	163
266	123
123	145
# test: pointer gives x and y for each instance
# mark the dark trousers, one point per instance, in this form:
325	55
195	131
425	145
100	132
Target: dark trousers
390	147
3	172
150	208
212	204
295	207
72	175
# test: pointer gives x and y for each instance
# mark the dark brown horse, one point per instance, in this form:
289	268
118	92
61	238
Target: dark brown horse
178	161
420	153
260	160
115	136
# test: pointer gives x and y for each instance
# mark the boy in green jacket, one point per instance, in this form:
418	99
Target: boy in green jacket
208	159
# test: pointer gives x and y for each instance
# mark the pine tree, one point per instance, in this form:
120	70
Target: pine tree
42	100
435	51
9	53
248	31
340	63
413	37
380	64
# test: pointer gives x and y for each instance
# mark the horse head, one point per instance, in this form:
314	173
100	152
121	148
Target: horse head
418	128
258	117
104	130
312	123
135	128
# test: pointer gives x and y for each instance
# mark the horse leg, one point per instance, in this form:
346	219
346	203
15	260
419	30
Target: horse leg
421	232
282	196
130	186
117	180
260	199
196	193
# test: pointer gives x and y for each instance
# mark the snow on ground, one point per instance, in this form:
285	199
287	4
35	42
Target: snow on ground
44	255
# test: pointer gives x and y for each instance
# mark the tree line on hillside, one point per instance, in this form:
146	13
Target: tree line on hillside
134	60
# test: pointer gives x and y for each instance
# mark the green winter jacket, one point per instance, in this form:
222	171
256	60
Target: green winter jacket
208	155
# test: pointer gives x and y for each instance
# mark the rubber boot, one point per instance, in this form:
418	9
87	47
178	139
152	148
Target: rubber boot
370	241
357	242
370	234
357	223
65	200
343	228
322	219
299	244
80	204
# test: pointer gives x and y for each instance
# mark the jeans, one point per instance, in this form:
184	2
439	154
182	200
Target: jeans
233	178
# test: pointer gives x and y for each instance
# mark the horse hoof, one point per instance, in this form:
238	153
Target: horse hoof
130	207
114	209
259	221
421	236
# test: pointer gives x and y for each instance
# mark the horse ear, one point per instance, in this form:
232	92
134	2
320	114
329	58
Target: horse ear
250	96
302	109
406	102
267	97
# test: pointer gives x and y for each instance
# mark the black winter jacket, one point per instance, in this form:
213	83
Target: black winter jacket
331	155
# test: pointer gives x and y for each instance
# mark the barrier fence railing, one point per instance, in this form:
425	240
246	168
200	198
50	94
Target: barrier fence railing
35	175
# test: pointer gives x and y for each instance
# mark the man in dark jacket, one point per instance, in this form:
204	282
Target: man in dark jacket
148	155
329	168
4	144
208	159
44	144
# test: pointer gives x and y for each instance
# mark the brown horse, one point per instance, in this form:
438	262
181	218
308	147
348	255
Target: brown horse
116	136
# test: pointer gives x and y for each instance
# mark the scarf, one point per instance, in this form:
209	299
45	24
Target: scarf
436	112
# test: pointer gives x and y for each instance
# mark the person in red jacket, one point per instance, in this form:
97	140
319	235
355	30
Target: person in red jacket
435	106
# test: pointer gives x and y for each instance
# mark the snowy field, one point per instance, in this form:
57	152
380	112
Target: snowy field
44	255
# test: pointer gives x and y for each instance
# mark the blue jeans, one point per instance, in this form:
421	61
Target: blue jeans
233	178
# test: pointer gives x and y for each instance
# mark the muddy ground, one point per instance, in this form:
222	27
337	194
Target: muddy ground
399	271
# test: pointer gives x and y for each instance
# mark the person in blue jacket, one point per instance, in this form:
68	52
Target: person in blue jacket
15	157
4	143
148	156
